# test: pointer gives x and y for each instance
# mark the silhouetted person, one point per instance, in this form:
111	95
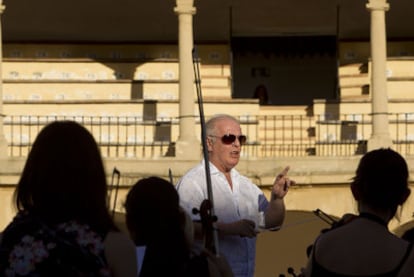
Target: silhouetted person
261	93
63	226
157	222
364	246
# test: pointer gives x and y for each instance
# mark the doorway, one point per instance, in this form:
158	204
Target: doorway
294	70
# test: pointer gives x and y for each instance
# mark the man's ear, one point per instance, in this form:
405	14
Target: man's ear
209	144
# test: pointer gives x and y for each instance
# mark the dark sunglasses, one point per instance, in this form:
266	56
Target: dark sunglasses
230	138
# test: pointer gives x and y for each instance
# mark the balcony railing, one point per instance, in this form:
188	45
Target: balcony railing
268	136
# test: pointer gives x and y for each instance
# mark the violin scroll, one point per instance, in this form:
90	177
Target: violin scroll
208	220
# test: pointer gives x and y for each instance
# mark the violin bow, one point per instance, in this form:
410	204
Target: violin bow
207	206
115	172
170	176
325	217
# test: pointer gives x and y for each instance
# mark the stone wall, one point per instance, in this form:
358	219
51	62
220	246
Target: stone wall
322	182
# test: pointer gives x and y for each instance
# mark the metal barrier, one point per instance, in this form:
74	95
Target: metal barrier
268	136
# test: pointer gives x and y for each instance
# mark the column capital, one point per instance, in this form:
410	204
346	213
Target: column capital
185	6
380	5
2	7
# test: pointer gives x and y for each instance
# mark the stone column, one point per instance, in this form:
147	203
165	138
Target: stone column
380	136
187	145
3	142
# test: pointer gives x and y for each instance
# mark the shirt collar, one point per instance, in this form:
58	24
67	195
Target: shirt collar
215	171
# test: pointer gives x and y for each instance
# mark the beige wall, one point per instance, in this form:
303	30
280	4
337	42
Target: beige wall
321	182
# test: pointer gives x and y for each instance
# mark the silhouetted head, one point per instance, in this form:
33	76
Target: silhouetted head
381	180
155	219
64	178
152	209
261	93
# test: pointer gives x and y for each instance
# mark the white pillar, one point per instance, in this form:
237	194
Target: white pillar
187	145
3	142
380	136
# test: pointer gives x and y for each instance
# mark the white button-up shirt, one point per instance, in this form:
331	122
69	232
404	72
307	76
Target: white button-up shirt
244	201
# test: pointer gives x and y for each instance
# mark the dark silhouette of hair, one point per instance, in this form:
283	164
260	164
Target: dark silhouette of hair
64	178
381	179
155	219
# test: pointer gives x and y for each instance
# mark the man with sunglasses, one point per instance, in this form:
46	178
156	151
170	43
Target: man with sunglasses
240	206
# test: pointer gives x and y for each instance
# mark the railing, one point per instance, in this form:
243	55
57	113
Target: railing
268	136
127	137
348	134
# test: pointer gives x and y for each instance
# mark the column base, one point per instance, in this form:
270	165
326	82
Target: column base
377	142
188	149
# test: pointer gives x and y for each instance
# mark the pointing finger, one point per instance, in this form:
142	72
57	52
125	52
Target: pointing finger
283	173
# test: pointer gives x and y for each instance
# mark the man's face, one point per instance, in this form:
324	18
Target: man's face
225	156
